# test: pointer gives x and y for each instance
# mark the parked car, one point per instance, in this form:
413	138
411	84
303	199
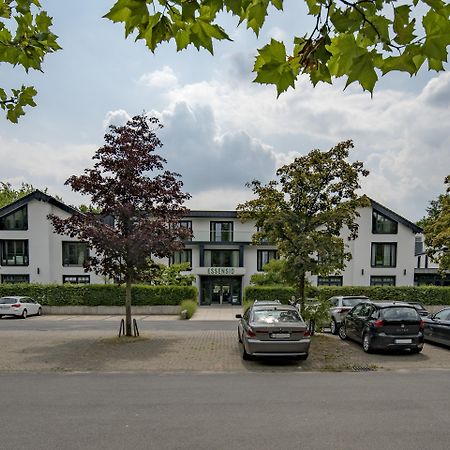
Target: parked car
19	306
420	308
384	326
437	327
273	330
340	306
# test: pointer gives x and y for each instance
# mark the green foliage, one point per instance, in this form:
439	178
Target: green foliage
9	195
25	39
437	230
282	293
101	294
274	273
190	306
360	40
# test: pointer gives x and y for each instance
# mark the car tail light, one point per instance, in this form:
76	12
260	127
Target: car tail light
306	333
16	305
421	325
378	323
251	333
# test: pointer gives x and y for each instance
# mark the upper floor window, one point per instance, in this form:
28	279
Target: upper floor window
221	231
264	256
384	254
221	258
17	220
383	225
186	224
14	252
182	256
74	253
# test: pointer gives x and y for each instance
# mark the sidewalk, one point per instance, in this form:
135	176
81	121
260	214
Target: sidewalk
217	312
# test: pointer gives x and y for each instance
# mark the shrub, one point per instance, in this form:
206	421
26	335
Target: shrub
282	293
190	306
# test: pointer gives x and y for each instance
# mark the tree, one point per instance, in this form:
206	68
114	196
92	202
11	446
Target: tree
25	39
274	272
8	194
305	211
437	229
356	39
146	209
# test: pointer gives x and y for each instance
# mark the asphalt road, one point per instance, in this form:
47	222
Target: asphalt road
342	411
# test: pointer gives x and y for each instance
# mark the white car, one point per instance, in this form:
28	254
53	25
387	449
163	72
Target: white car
19	306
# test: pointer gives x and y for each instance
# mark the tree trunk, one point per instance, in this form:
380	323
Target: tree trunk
128	327
301	291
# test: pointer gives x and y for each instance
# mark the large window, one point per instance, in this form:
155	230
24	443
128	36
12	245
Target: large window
182	256
14	253
382	225
380	280
15	278
74	254
186	224
264	256
17	220
221	258
76	279
221	231
329	281
384	254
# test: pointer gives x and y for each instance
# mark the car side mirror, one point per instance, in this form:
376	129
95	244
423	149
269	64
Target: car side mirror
238	316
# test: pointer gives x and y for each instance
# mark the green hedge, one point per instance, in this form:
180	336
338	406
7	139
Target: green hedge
428	295
100	294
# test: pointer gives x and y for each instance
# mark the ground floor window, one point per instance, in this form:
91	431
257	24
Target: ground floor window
329	281
220	290
15	278
264	256
77	279
377	280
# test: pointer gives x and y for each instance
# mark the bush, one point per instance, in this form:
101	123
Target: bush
100	294
190	306
282	293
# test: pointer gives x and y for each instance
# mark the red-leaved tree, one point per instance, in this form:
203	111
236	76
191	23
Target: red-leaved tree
128	184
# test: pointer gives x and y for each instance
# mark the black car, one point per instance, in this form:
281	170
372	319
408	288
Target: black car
437	327
420	308
383	326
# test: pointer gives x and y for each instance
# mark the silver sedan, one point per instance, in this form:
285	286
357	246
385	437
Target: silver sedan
273	330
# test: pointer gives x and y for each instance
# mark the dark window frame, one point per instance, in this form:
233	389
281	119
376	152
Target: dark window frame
213	234
14	275
376	216
186	224
24	227
219	252
259	261
186	251
77	277
373	261
385	280
64	244
327	281
4	260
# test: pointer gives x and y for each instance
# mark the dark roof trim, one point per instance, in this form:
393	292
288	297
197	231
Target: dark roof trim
394	216
40	196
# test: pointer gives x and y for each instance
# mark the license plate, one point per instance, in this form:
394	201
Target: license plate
280	335
403	341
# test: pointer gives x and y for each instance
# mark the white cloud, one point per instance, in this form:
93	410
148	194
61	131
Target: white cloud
162	79
118	117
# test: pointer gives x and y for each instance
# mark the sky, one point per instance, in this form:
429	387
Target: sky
220	129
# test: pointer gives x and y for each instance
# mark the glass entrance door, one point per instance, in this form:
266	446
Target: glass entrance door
221	290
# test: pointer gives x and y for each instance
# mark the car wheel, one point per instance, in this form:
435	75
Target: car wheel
343	333
245	355
24	314
334	327
367	347
39	313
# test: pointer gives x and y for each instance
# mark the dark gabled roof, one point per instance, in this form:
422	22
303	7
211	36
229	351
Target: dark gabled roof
36	195
213	214
394	216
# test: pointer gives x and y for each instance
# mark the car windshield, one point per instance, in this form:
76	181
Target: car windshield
7	301
275	316
399	313
352	301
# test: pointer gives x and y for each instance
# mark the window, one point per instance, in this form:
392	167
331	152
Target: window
382	280
264	256
382	225
329	281
17	220
182	256
186	224
14	253
15	278
384	254
221	258
221	231
74	254
77	279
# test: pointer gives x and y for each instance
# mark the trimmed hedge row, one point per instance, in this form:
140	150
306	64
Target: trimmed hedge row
100	294
428	295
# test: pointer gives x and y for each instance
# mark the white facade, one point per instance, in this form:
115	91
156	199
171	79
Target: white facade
220	252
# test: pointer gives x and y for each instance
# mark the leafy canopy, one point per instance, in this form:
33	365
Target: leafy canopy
25	39
359	40
305	211
437	229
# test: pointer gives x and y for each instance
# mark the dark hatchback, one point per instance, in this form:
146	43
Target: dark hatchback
437	327
384	326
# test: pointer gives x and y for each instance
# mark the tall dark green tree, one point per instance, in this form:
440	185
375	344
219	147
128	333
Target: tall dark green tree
308	211
128	183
